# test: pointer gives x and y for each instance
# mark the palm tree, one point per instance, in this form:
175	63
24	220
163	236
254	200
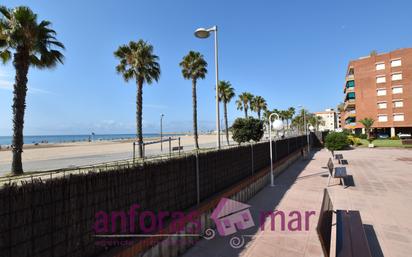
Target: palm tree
226	93
244	102
194	67
138	62
367	123
27	43
317	121
289	115
258	104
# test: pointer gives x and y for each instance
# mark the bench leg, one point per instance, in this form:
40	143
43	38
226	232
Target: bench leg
343	181
329	180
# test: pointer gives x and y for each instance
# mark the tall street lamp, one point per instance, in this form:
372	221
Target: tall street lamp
304	117
161	132
309	129
277	125
205	33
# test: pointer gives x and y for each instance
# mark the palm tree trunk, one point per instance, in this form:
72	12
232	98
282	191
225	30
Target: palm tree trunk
258	112
245	112
227	129
21	64
139	114
194	100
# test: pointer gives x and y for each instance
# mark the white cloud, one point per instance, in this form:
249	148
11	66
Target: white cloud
6	84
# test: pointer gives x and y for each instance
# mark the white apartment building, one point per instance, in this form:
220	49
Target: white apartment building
330	118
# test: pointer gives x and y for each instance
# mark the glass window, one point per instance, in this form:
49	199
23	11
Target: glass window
397	90
381	79
382	105
380	66
396	63
381	92
398	117
398	104
383	118
397	76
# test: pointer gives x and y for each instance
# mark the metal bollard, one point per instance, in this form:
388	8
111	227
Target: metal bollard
179	146
170	147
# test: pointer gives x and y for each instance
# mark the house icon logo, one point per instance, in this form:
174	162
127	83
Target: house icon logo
231	215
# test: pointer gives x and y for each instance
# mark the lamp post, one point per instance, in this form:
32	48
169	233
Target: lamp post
161	132
205	33
277	125
309	128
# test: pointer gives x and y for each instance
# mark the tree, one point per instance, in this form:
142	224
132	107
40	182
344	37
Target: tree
226	93
244	101
367	123
336	141
28	43
247	129
258	104
194	67
138	62
299	119
341	107
317	121
289	115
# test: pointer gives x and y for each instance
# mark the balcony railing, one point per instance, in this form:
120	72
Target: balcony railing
350	77
349	114
349	103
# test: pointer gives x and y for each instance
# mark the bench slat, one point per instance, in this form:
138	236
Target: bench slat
351	239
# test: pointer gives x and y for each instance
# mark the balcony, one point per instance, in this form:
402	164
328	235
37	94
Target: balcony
349	90
349	114
350	125
349	103
350	77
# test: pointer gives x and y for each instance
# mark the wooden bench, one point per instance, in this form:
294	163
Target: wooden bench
177	148
406	141
340	159
351	240
338	172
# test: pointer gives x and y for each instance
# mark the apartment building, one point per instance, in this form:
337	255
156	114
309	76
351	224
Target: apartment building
330	119
379	87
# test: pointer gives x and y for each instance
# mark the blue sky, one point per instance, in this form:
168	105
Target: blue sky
290	52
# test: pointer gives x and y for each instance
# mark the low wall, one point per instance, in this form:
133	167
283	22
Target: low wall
56	217
171	246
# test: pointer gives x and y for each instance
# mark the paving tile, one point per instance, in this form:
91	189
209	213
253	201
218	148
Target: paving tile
382	193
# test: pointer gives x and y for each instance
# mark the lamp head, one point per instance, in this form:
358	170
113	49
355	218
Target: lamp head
277	125
311	128
202	33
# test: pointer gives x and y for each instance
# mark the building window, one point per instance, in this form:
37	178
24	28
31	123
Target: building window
380	66
381	79
382	118
396	63
382	105
398	117
396	76
381	92
397	90
398	104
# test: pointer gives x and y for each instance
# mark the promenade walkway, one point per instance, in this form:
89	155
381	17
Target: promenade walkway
381	190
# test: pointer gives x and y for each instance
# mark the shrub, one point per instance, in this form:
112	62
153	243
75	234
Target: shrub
353	140
245	130
394	138
336	141
363	136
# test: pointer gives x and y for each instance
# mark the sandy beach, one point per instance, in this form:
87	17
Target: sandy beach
65	155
